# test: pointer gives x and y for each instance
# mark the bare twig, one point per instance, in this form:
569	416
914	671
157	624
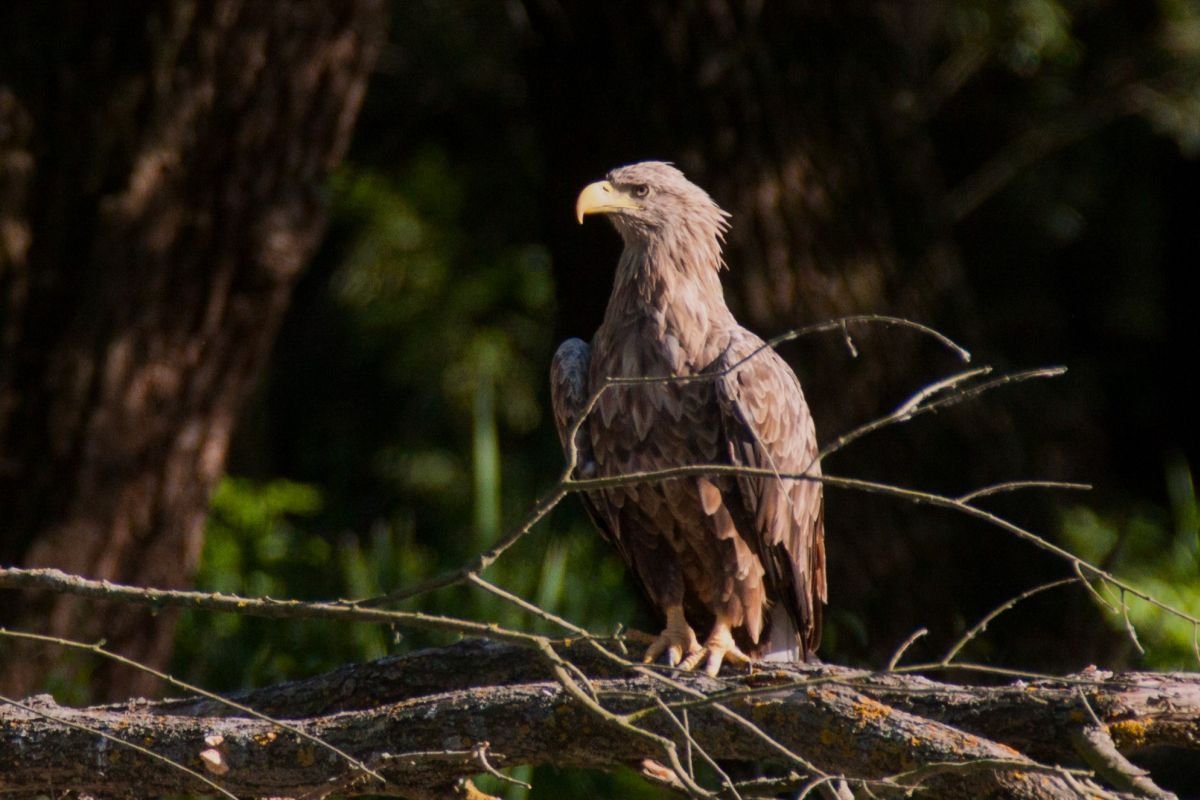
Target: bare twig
981	626
479	753
1012	486
907	643
540	509
911	495
62	582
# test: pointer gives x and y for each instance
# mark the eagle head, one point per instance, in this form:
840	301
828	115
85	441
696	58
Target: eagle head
653	200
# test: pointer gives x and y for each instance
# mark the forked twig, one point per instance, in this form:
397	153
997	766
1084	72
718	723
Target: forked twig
900	651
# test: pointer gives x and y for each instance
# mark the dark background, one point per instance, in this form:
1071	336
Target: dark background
1021	176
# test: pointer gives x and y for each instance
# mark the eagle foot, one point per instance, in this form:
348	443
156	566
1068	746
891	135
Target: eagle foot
677	641
717	649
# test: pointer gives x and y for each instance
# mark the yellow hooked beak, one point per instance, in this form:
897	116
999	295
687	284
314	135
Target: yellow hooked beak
601	197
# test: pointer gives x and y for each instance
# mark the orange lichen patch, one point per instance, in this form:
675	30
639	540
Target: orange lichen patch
914	742
867	710
1077	716
265	739
1128	732
306	756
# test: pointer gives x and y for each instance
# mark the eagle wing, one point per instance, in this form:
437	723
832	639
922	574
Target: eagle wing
569	396
766	425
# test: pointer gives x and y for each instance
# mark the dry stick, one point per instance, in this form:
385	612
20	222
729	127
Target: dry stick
882	319
541	508
176	682
905	410
912	495
685	730
915	776
644	670
1099	598
561	669
479	752
117	740
907	643
913	407
1129	625
981	626
59	581
1011	486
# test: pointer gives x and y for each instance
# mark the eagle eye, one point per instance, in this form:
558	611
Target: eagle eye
641	190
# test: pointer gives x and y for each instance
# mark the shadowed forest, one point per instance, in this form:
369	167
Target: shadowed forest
279	291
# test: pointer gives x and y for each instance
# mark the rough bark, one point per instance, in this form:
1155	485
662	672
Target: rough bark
160	167
420	719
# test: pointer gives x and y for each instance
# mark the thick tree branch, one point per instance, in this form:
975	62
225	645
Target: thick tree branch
419	720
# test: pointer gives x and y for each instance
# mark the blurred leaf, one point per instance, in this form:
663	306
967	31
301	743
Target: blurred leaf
1158	551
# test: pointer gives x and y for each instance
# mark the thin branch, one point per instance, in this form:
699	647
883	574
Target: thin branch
900	651
981	626
914	777
1129	629
640	669
541	508
915	405
1012	486
836	324
479	753
59	581
686	732
911	495
903	412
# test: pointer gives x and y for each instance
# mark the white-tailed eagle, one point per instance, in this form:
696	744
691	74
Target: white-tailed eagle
739	557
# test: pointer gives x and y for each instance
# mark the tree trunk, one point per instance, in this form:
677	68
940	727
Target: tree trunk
160	167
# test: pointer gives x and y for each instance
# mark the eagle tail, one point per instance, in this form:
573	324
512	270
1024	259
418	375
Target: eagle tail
783	643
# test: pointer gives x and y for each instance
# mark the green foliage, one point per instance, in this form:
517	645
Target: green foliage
1156	550
255	545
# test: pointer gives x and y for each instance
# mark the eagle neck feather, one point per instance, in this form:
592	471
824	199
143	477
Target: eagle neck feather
674	280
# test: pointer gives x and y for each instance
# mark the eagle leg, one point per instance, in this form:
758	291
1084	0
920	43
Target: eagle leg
717	648
677	640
